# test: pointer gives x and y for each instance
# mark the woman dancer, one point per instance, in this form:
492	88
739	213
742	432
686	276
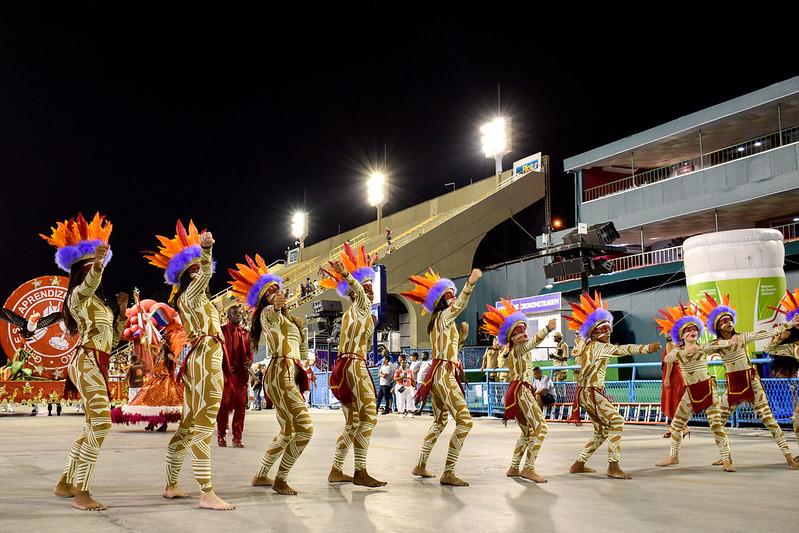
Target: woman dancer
509	326
673	385
350	381
83	252
437	296
188	266
285	380
682	325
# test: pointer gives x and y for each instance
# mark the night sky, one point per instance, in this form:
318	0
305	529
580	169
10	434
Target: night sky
236	118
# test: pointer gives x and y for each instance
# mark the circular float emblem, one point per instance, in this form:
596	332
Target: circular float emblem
50	347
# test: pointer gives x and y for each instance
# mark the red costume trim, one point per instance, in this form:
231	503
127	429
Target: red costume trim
701	395
300	377
512	409
195	342
427	384
739	386
575	416
339	384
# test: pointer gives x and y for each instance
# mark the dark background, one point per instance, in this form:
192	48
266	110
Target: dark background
236	117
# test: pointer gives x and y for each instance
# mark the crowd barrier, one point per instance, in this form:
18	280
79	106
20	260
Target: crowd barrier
638	400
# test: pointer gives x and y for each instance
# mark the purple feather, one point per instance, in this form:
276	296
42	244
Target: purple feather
436	291
254	295
508	326
715	314
600	315
181	261
681	323
362	275
790	314
67	255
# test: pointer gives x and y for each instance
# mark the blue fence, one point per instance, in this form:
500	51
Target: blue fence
638	399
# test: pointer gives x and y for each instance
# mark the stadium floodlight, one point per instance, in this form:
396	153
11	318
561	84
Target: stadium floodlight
495	140
377	194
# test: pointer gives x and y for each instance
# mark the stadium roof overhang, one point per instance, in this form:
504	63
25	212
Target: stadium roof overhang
722	125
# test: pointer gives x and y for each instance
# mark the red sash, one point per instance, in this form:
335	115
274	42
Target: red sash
427	384
512	409
101	359
195	342
339	384
300	377
701	395
575	416
739	386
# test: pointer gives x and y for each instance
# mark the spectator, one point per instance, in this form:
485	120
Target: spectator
302	290
423	368
308	287
543	388
50	408
394	367
491	359
257	388
384	372
405	388
561	356
388	239
415	364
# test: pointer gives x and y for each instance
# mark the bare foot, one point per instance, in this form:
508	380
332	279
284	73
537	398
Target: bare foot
209	500
513	472
363	478
668	461
64	489
718	463
615	472
448	478
337	476
580	468
421	471
261	481
174	491
281	487
532	475
85	502
792	463
728	466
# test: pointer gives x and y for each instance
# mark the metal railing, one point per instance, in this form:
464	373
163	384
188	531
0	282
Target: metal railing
718	157
790	232
638	400
629	262
355	241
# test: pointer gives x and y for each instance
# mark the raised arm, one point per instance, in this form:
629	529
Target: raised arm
199	284
618	350
451	313
91	282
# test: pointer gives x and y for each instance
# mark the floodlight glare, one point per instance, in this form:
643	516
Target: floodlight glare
494	138
299	225
376	189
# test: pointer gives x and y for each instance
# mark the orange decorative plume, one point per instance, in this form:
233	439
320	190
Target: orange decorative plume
176	254
251	281
501	322
429	288
675	319
588	314
359	265
710	310
77	239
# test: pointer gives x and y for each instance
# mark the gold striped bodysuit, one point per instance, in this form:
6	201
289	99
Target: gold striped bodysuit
360	416
608	423
287	346
203	381
447	396
531	422
97	331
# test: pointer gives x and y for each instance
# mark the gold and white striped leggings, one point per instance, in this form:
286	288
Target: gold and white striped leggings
608	425
360	417
203	384
763	412
683	415
87	377
534	430
296	428
447	397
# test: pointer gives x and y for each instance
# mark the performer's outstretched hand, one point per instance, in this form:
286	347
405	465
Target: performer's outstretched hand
338	267
278	300
654	347
207	240
99	255
551	325
474	276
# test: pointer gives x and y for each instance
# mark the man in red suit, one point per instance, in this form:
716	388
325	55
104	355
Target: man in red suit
235	367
